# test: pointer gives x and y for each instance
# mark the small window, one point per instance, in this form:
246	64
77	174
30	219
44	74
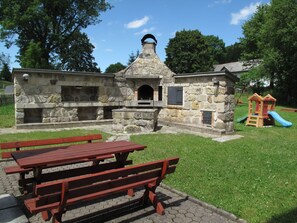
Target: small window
175	95
160	92
207	117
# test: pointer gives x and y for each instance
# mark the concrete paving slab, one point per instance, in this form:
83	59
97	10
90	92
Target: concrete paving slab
7	201
227	138
12	215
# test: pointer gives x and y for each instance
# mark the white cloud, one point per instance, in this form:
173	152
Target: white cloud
244	13
108	50
145	31
137	23
217	2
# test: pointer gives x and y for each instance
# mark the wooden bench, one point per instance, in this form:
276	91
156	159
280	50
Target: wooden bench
10	147
53	197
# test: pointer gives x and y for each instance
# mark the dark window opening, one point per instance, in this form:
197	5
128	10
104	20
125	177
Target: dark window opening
145	92
79	93
87	113
160	92
207	117
107	112
175	95
33	115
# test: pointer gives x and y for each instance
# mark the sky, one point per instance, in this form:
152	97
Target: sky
121	29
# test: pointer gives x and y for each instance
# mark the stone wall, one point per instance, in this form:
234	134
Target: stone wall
86	94
134	120
213	93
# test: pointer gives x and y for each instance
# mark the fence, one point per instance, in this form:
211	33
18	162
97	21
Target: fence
6	99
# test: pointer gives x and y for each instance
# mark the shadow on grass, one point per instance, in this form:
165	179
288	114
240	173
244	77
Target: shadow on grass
288	217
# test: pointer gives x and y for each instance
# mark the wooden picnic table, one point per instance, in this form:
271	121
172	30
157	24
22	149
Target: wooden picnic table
64	155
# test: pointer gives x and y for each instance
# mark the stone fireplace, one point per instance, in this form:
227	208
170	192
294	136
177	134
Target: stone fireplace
135	99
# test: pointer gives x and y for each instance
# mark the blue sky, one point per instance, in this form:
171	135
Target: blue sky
122	27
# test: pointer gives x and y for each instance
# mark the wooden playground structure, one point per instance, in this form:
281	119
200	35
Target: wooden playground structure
258	110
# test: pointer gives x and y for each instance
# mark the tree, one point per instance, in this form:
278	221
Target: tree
114	68
217	48
45	30
270	35
233	52
279	46
252	31
4	59
77	54
188	52
5	73
133	57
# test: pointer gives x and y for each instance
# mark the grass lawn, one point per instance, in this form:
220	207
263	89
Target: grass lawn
7	116
253	177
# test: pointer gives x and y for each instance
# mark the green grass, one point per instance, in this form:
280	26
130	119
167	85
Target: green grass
7	116
253	177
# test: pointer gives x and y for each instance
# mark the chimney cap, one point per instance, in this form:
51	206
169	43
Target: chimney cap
148	36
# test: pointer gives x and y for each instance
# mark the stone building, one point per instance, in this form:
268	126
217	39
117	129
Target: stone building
135	99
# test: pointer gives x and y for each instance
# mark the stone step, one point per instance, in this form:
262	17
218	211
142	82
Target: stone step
10	211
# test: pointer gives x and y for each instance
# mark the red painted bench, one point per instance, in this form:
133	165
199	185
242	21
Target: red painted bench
55	197
9	147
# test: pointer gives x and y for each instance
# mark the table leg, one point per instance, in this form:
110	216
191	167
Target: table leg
37	178
22	186
121	159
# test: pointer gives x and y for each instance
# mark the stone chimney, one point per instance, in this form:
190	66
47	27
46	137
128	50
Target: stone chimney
147	64
148	48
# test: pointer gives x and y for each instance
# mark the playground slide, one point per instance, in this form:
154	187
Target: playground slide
242	119
278	118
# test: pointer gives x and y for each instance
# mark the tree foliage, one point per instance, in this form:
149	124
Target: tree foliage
233	52
271	35
188	52
4	59
46	31
252	31
114	68
5	73
132	57
217	48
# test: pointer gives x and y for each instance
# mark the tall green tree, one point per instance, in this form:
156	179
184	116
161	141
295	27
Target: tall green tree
5	73
233	52
279	44
252	41
188	52
132	57
114	68
217	48
270	35
77	54
44	30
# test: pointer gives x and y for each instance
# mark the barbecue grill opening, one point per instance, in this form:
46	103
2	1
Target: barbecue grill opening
145	92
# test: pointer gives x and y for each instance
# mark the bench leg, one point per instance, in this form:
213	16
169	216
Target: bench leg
45	215
131	193
57	217
156	203
150	195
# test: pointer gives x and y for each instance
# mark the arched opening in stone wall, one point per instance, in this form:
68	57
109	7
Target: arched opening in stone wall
145	92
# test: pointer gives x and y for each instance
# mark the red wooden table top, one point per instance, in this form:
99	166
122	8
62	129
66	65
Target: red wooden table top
66	154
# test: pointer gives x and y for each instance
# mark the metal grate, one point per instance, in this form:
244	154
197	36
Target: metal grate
207	117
